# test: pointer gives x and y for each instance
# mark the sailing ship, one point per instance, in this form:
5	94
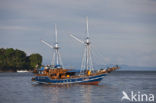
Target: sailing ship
57	74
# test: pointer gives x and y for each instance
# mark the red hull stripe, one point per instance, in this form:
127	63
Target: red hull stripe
91	83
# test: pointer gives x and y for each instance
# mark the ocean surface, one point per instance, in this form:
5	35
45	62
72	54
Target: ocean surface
18	88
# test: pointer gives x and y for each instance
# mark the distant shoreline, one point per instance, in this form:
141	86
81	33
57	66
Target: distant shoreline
136	71
13	60
11	71
112	72
7	71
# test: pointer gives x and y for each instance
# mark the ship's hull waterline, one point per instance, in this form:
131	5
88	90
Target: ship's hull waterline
89	80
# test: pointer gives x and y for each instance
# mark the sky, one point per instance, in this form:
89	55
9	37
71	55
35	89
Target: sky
122	31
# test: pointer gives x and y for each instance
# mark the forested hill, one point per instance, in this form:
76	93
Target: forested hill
14	59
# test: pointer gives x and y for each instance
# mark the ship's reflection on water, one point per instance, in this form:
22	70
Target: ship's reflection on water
86	93
63	93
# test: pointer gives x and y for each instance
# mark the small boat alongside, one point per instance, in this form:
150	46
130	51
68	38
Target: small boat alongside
22	71
57	74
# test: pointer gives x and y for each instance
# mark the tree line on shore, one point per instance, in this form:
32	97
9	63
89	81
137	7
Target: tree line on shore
14	59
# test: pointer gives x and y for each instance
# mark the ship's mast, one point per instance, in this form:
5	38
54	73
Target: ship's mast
86	60
56	60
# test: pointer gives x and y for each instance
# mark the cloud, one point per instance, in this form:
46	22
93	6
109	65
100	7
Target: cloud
13	28
121	30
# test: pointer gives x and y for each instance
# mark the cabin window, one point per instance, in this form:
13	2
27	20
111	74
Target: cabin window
60	75
53	74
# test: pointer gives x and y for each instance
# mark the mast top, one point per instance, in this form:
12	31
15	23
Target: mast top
87	27
55	33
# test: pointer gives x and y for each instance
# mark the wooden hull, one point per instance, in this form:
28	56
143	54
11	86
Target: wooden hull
87	80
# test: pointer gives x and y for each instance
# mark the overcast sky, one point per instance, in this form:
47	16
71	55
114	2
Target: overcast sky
122	31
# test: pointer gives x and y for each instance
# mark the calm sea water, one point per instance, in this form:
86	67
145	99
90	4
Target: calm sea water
18	88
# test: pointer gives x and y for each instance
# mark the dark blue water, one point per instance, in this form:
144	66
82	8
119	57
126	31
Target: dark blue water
18	88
